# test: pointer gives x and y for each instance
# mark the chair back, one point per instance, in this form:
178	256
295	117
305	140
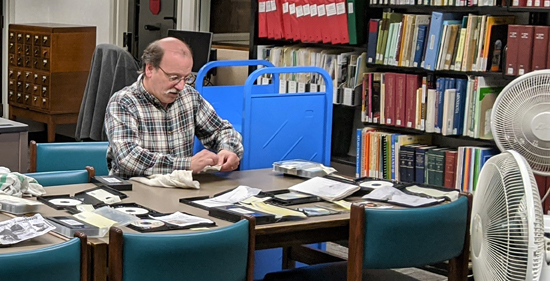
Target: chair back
64	156
219	254
63	177
66	261
398	238
112	69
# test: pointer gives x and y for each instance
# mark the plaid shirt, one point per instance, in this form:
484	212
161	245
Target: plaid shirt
145	138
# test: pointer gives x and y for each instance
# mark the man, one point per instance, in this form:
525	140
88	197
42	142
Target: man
151	124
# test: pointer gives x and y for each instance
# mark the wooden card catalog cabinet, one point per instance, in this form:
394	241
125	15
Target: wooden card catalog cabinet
47	73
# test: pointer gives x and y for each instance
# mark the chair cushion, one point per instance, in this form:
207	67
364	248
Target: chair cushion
60	177
335	271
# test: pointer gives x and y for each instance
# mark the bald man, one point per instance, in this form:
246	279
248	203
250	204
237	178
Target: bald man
152	123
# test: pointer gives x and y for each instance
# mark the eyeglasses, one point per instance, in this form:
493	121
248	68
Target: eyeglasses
189	79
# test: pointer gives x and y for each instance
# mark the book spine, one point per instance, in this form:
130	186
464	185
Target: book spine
512	52
439	159
400	99
359	153
540	46
526	44
450	168
419	165
403	162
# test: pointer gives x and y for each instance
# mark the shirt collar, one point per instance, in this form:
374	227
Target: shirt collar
150	97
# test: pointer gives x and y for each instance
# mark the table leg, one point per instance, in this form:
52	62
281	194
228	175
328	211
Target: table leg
51	129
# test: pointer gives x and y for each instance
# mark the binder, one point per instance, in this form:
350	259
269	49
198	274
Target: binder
332	21
373	42
262	19
286	18
342	21
315	21
294	20
356	11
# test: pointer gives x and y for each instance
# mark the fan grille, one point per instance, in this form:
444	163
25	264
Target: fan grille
507	227
521	119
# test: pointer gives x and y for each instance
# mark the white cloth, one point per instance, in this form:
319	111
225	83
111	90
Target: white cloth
178	178
19	185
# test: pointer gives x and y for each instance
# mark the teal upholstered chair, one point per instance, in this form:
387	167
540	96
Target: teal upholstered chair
64	156
67	261
219	254
63	177
382	239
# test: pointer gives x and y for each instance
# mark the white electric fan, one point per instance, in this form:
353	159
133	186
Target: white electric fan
507	227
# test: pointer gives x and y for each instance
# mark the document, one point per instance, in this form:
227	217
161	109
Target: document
23	228
327	189
393	195
236	195
182	220
450	195
279	212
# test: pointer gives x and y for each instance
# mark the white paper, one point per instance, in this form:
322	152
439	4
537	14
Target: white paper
327	189
236	195
181	219
394	195
23	228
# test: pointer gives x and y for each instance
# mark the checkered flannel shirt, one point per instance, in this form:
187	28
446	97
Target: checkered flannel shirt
145	138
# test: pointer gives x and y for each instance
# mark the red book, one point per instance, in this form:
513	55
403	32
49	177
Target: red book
526	33
389	98
400	98
512	53
342	21
450	168
519	3
262	20
287	26
542	183
540	47
413	83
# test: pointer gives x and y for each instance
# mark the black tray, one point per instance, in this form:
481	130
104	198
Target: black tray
234	213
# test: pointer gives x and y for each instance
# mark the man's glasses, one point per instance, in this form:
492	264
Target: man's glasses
189	79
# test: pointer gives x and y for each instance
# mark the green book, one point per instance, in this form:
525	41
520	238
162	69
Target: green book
356	21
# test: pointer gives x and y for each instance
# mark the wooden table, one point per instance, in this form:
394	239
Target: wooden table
166	200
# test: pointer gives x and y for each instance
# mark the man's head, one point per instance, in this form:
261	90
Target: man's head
167	65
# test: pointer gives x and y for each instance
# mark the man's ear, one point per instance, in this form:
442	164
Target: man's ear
149	70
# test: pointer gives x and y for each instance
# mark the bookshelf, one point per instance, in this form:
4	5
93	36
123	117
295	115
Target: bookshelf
345	117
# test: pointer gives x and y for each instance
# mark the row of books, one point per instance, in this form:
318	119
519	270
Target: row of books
445	105
456	3
531	3
456	41
344	67
412	159
300	20
527	49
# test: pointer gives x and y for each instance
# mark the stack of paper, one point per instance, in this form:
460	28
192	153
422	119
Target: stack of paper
327	189
393	195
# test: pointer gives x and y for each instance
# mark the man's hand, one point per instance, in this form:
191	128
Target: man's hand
202	159
228	160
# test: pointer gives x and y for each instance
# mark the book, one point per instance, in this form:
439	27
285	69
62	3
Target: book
327	189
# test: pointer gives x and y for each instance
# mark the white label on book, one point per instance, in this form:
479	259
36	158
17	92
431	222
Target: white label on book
71	222
241	211
369	60
282	86
415	64
388	121
273	5
313	88
301	87
313	10
537	3
292	87
515	3
348	96
292	8
341	8
398	122
321	10
299	11
331	9
432	42
529	3
438	130
422	124
409	124
323	88
306	10
265	81
374	120
521	71
510	70
261	7
546	3
350	8
268	6
285	7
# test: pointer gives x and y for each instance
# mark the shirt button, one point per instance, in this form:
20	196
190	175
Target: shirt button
169	132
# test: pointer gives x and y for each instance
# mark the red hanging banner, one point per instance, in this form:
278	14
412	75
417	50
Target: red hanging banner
154	6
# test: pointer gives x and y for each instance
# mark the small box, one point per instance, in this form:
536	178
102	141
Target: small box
113	182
